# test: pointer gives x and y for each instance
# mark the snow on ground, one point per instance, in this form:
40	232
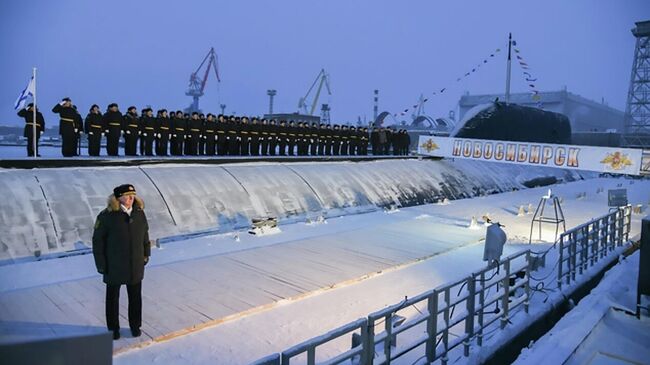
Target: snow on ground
383	274
254	336
601	329
48	211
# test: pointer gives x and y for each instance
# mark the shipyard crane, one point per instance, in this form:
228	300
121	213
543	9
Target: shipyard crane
324	79
197	85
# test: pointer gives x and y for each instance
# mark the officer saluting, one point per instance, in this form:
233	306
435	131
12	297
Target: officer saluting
28	114
67	126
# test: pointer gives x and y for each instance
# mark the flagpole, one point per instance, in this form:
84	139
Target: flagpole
508	71
35	121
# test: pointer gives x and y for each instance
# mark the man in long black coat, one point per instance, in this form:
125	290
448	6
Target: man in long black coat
222	129
374	139
254	133
194	133
112	121
28	115
121	249
94	128
178	133
273	137
210	136
234	137
163	126
148	131
131	128
67	126
264	137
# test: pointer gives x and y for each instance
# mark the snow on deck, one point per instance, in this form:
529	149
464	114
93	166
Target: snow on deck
47	212
601	329
263	294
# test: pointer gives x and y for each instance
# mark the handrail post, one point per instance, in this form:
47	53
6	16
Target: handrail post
311	355
619	226
612	231
445	333
432	326
481	300
585	247
628	222
469	320
368	342
527	285
388	328
506	294
560	262
572	255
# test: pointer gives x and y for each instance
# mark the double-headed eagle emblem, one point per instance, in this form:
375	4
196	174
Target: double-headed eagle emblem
617	160
429	145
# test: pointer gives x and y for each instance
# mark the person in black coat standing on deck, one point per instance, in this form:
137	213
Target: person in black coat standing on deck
94	128
112	121
28	115
68	128
131	129
163	126
148	131
121	249
178	133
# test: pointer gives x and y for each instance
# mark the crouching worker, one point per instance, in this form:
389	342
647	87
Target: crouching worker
121	250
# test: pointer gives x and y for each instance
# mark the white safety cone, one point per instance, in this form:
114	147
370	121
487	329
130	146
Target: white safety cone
474	223
521	212
530	208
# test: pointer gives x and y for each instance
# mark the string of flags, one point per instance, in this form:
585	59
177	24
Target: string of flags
458	79
530	80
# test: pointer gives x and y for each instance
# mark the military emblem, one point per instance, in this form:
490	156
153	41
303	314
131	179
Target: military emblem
617	160
429	145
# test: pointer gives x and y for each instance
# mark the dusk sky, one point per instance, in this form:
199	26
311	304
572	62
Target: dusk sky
142	52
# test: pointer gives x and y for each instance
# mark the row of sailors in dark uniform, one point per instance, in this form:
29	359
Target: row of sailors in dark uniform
177	134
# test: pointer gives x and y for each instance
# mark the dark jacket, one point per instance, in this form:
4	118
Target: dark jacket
68	116
112	121
29	122
121	243
94	123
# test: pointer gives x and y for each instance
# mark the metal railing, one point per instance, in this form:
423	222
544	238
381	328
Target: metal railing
309	347
459	313
583	246
459	310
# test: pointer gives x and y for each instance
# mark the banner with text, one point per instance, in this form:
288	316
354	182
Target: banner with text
602	159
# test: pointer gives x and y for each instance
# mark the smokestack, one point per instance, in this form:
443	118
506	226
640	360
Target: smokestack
375	109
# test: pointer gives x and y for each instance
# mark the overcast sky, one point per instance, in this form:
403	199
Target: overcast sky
142	52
